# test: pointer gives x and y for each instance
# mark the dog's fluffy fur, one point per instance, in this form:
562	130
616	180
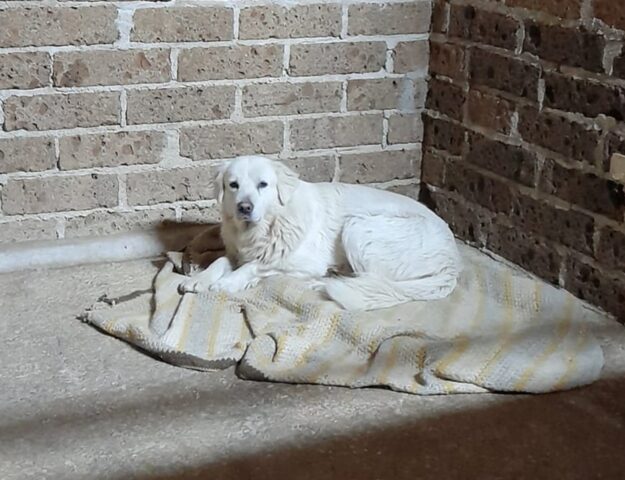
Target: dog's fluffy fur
388	249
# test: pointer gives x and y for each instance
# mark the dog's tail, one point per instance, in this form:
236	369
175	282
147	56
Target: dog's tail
368	291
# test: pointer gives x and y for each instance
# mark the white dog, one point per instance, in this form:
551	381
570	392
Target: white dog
389	248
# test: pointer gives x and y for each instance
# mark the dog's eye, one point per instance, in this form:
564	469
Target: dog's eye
262	184
234	185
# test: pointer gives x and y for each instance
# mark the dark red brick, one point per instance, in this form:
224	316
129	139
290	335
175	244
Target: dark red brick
509	74
468	221
599	195
529	252
611	12
482	26
439	16
584	96
570	46
508	161
572	139
569	9
565	226
490	111
443	135
599	287
447	59
445	98
611	248
495	195
433	169
618	69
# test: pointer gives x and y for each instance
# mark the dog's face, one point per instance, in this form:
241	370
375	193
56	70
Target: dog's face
253	187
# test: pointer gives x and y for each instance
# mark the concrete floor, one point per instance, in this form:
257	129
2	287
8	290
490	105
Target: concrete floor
75	403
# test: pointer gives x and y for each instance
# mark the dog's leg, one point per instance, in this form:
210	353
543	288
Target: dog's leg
202	281
395	260
246	276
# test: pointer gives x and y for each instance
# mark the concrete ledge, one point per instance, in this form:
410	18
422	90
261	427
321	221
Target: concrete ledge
83	251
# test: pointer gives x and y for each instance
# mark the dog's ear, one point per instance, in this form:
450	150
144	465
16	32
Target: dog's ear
218	180
287	182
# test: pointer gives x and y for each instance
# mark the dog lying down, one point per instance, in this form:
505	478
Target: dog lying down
366	248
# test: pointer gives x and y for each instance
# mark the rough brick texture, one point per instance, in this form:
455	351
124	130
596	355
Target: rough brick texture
182	24
110	149
274	21
24	70
327	132
26	154
379	19
180	104
327	58
57	111
65	25
73	69
291	98
113	114
522	124
59	193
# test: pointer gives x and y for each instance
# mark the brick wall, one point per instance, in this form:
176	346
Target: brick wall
523	131
113	113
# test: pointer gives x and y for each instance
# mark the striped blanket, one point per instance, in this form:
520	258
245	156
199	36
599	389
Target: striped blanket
498	331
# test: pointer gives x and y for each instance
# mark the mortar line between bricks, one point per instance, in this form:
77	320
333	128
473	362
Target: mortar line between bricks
202	83
189	124
344	21
116	47
123	109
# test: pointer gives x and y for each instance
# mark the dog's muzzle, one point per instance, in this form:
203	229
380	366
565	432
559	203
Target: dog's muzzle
244	210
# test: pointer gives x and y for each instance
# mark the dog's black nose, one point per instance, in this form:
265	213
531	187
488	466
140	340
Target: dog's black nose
245	208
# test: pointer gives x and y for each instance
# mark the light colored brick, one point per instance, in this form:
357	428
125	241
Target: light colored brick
26	230
329	132
379	166
379	94
102	223
182	24
180	104
200	214
420	92
411	190
59	193
166	186
313	169
337	58
405	128
46	112
231	140
111	67
26	154
111	149
50	25
389	19
291	98
322	20
411	56
24	70
239	61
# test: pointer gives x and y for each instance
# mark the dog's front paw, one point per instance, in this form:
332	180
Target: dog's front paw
193	285
232	283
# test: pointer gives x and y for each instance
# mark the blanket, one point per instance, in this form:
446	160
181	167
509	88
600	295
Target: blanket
499	331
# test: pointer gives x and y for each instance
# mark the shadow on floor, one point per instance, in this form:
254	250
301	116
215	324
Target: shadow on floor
571	435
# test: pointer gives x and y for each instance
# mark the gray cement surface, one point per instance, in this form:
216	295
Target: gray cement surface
76	404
